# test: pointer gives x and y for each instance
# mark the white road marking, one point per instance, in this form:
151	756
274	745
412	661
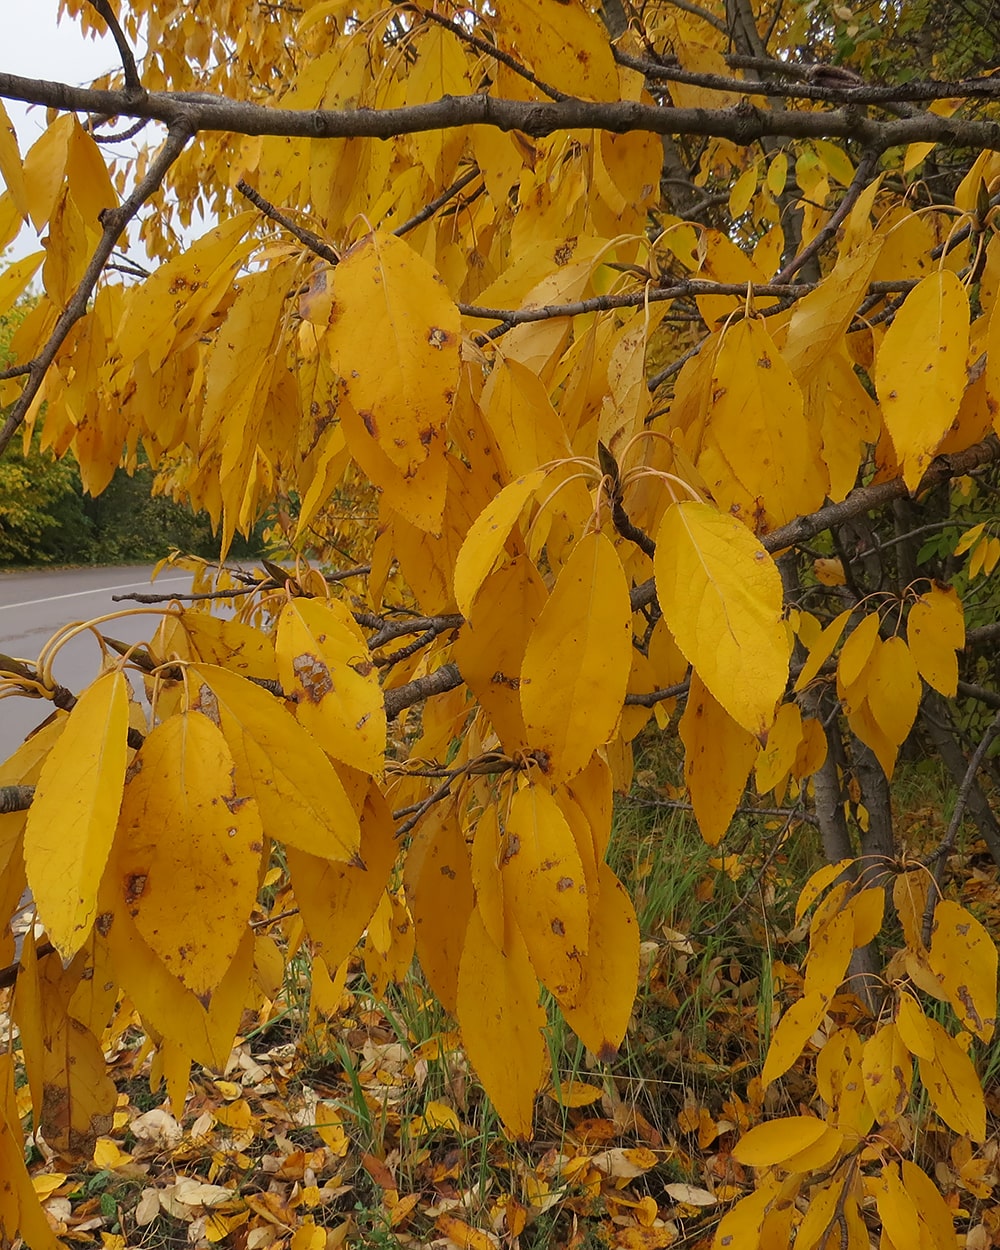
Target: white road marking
99	590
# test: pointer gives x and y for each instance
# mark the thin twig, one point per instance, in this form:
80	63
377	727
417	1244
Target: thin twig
306	237
939	856
490	49
430	209
862	177
133	84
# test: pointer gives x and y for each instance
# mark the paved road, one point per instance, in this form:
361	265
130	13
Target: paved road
34	605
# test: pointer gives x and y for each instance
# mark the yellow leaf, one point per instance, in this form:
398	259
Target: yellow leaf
718	756
794	1030
914	1027
857	650
188	849
742	192
436	1115
887	1071
817	883
920	369
896	1207
739	1229
302	800
486	539
935	1217
108	1154
71	823
831	945
439	894
324	665
721	595
577	661
566	45
20	1211
783	738
778	1140
935	630
817	1156
385	293
757	403
777	173
10	164
501	1022
16	277
545	890
338	899
46	1183
952	1084
600	1013
575	1093
463	1235
211	640
964	958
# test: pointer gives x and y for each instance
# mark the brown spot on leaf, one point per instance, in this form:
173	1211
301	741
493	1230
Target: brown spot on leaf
564	883
135	885
314	676
564	253
104	922
439	338
558	928
501	679
511	849
447	871
369	421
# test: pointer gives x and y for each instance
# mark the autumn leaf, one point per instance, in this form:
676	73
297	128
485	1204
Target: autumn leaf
721	596
71	824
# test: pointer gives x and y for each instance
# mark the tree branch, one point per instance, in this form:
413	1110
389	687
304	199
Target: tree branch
744	125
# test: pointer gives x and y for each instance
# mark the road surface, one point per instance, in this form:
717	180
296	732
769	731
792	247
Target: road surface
34	605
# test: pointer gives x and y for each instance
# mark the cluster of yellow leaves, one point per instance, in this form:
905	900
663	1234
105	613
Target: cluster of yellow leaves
252	369
865	1079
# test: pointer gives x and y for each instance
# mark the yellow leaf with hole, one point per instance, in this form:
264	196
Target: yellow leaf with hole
778	1140
718	756
721	595
600	1012
301	798
394	339
71	822
487	536
963	956
935	630
789	1039
502	1022
188	849
578	659
887	1071
545	890
920	369
325	667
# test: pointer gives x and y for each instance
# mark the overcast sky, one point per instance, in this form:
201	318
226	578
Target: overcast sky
35	45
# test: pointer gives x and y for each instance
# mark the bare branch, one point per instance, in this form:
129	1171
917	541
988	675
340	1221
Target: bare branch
744	125
133	85
306	237
430	209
